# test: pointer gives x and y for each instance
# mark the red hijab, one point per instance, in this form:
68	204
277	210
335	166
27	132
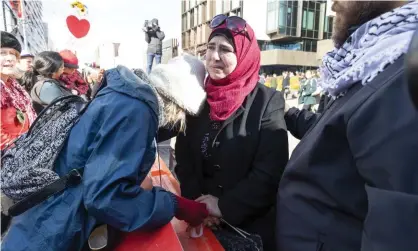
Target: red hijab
226	95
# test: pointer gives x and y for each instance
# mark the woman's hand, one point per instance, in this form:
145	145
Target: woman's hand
211	204
212	222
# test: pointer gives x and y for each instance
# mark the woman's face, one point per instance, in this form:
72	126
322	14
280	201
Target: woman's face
220	58
69	70
8	61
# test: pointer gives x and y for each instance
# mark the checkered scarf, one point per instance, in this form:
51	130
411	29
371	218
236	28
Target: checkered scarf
369	50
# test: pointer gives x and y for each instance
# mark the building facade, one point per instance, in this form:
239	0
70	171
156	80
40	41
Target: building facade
287	31
170	50
295	26
24	20
195	18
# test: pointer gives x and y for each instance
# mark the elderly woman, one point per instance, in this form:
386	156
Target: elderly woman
17	113
235	151
114	141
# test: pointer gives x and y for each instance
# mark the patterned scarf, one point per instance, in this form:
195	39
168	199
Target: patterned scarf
75	82
372	47
13	95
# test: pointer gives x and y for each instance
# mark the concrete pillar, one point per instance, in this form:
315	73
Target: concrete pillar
299	19
322	21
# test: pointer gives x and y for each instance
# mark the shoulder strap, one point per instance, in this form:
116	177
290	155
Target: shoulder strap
73	178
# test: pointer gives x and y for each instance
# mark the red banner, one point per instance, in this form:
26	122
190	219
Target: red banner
16	7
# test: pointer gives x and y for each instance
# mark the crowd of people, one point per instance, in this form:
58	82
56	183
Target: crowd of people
301	85
350	184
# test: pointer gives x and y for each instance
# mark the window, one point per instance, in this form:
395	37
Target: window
282	14
235	4
226	6
287	19
311	12
209	13
219	7
192	24
328	27
188	21
310	21
272	20
196	17
183	7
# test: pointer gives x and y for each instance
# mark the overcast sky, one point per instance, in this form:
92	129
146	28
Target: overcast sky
111	21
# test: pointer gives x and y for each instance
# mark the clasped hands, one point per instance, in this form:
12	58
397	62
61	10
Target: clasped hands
215	214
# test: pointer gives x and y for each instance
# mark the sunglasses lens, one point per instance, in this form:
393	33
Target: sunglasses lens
236	24
217	20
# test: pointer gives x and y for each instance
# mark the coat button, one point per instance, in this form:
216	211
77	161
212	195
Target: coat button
220	187
217	167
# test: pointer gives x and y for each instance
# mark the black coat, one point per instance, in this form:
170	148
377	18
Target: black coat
249	156
352	182
154	38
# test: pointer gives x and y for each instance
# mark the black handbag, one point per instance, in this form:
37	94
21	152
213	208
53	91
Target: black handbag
234	239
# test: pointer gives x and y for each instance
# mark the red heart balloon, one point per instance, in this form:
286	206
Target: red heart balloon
79	28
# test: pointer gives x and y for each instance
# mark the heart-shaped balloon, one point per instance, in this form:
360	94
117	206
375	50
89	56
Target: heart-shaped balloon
79	28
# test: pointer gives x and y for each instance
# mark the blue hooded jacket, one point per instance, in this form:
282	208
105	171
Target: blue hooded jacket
114	142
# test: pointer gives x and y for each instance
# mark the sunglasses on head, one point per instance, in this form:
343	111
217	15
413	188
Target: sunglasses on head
233	23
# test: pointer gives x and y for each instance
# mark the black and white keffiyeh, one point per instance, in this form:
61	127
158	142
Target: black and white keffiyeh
373	46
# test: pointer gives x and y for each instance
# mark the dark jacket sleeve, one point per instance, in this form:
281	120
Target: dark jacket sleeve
383	137
160	35
185	169
298	121
147	38
166	133
257	192
120	159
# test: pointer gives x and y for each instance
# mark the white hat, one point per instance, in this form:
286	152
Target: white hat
181	80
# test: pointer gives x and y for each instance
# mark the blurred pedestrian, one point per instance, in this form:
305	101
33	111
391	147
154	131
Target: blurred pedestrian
43	81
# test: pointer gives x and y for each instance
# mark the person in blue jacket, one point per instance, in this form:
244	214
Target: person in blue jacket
115	143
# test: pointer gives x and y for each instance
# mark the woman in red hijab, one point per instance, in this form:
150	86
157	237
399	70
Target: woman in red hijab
232	155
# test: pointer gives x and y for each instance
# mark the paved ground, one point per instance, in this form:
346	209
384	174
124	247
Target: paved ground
164	147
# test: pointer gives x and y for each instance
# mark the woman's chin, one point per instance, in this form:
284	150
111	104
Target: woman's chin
217	74
9	71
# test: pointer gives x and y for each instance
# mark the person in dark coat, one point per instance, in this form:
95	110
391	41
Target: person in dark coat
154	36
235	151
114	140
351	183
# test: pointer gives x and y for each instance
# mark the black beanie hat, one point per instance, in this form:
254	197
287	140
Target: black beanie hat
10	41
225	33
